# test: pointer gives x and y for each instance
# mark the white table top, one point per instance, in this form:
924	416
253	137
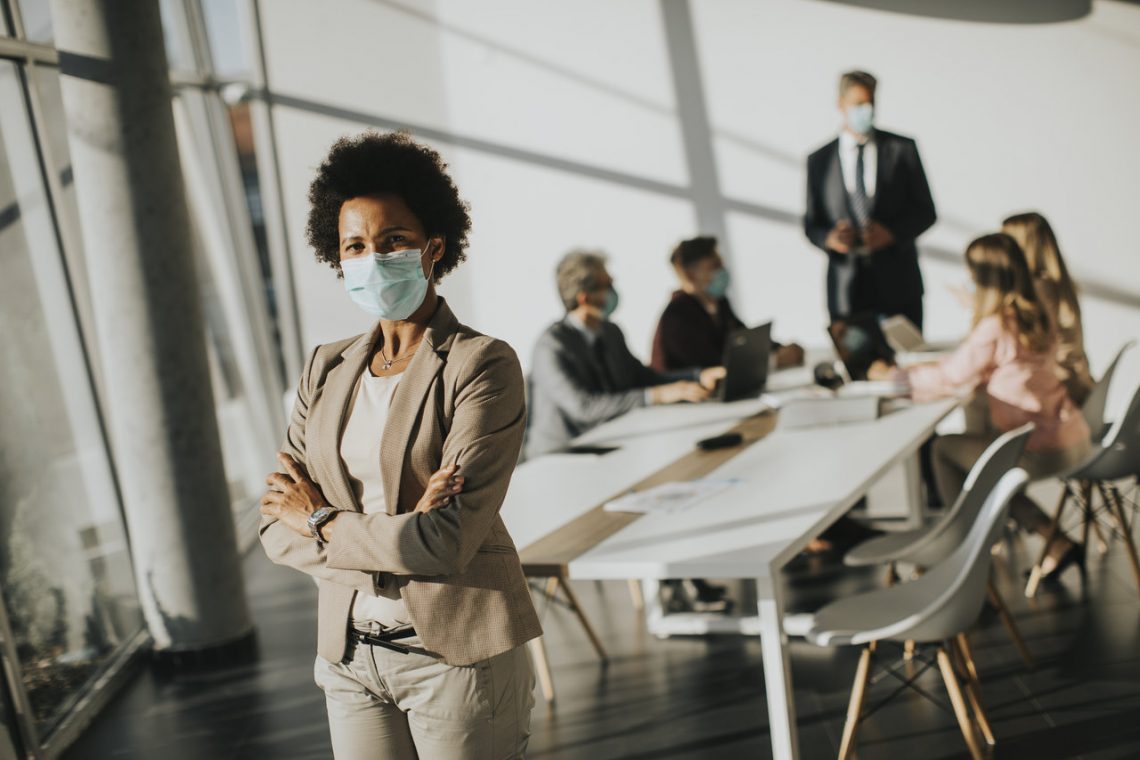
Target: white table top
793	481
793	484
552	490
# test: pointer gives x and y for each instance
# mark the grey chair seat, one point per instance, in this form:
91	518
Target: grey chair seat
882	550
938	606
935	541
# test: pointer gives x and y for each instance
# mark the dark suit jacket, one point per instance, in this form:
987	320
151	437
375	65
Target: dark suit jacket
688	336
570	392
890	280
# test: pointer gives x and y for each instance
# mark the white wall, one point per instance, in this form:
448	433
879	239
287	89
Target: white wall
561	125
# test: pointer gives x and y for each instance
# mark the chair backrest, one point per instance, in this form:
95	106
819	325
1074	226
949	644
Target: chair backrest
1118	453
948	598
1093	409
999	458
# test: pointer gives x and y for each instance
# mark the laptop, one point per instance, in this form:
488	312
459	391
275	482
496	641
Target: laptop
746	356
859	342
906	340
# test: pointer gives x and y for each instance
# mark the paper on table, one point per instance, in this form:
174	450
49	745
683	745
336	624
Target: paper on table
668	497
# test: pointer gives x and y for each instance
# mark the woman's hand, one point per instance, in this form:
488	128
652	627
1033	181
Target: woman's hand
710	376
880	370
791	355
292	496
441	487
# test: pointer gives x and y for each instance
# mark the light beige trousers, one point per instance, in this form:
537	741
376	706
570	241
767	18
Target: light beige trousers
385	705
954	456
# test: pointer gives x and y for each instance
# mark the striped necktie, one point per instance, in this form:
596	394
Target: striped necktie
860	208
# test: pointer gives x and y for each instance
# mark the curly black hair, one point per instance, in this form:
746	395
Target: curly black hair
373	163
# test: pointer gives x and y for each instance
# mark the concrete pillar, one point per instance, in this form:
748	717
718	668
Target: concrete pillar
149	323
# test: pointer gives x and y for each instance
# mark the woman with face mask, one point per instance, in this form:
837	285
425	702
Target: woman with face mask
694	328
397	458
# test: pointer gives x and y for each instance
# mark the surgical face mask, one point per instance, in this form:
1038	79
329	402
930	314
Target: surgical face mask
861	118
611	304
718	285
390	286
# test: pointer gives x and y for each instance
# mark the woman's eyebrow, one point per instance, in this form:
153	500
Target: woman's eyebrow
385	231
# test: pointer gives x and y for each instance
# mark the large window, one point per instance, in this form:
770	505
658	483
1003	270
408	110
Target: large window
68	588
69	612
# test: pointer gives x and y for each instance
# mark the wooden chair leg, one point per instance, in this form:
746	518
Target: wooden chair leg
959	704
585	621
908	650
1054	530
855	705
1009	623
1088	520
974	688
542	668
1101	541
1116	506
636	595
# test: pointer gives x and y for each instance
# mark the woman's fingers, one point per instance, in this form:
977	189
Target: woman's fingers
277	481
291	467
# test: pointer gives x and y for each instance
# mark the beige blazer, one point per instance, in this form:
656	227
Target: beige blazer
460	400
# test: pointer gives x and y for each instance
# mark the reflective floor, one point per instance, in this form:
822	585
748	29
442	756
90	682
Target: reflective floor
692	698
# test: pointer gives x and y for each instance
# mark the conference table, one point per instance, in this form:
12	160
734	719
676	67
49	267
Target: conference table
785	486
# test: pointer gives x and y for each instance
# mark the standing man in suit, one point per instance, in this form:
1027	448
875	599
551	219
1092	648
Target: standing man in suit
583	372
867	203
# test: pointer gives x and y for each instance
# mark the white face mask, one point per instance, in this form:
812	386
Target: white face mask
390	286
861	118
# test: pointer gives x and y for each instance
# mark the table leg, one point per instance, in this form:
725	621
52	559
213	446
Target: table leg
777	673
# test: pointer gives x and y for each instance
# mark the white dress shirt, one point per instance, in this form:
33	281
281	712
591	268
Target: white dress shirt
849	156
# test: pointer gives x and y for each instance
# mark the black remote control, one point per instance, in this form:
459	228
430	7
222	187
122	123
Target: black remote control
721	441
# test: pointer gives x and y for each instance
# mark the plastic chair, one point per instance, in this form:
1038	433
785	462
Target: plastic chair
1114	457
931	544
1093	409
937	608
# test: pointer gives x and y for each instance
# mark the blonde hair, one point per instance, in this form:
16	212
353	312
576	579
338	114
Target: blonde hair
1005	287
1033	233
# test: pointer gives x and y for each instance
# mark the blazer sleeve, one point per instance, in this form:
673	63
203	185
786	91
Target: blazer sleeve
920	216
283	545
643	376
552	373
485	438
817	225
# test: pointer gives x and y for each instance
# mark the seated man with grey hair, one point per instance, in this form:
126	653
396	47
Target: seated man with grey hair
583	373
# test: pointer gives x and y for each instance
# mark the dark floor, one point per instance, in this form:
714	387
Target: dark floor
689	698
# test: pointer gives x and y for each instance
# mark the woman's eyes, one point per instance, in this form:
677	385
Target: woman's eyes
390	243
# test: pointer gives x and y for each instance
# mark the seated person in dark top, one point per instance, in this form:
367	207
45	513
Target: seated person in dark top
695	326
583	373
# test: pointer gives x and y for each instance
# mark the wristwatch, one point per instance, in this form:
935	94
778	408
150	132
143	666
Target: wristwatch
318	519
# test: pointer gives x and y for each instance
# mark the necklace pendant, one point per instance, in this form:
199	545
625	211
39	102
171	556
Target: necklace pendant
387	365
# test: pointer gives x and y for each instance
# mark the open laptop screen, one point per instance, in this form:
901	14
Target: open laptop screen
859	341
746	362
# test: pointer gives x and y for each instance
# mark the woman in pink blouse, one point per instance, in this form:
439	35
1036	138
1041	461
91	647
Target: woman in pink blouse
1010	357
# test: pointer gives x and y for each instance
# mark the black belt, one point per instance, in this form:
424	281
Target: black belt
384	639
